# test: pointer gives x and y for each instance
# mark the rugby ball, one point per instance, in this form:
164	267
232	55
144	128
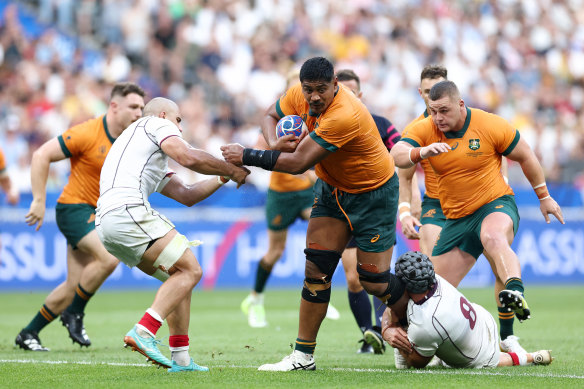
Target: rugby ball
290	125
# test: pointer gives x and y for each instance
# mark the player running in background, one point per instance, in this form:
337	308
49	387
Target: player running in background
88	262
289	197
359	299
130	229
465	146
442	322
432	220
356	183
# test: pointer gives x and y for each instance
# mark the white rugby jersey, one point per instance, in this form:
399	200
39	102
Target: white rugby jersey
460	333
136	166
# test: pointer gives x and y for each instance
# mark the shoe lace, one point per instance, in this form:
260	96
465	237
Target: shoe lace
158	342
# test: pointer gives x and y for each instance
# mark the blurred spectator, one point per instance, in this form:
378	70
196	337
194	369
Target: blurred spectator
223	61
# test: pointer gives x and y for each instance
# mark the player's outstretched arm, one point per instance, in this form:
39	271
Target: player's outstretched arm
308	154
49	152
406	156
191	194
533	171
201	161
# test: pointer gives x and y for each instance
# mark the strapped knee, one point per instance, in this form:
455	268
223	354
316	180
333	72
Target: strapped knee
169	255
318	290
389	293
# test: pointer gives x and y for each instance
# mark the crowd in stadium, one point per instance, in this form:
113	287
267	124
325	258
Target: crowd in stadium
225	61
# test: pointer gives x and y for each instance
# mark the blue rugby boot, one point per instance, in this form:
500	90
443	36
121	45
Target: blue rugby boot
191	367
147	347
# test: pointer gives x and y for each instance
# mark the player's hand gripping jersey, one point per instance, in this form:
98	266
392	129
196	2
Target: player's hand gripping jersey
360	161
469	175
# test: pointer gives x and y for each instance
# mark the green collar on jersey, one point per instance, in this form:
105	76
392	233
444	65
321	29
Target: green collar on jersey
460	133
109	136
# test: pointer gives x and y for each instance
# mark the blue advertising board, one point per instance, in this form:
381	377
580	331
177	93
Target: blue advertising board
233	231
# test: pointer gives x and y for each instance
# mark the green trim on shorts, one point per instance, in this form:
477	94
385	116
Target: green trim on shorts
465	233
75	221
64	147
432	212
283	208
372	233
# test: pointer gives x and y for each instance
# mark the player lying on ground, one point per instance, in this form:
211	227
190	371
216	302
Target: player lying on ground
442	322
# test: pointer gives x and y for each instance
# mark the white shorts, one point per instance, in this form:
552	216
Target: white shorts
126	231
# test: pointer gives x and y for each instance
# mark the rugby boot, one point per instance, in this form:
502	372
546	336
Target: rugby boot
74	324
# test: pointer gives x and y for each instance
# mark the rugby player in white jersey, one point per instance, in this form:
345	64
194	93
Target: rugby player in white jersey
137	166
442	322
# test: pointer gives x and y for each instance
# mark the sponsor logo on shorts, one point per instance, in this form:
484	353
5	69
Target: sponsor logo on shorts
499	206
474	144
375	238
315	201
430	213
91	218
277	220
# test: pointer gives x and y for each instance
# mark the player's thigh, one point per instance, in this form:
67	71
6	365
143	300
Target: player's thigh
75	221
349	259
497	226
377	262
276	245
327	233
499	220
428	235
91	245
454	265
128	231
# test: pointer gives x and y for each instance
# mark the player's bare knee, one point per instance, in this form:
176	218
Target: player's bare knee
109	264
197	273
274	254
320	266
493	241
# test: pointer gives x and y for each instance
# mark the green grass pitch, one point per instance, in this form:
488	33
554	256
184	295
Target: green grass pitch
221	339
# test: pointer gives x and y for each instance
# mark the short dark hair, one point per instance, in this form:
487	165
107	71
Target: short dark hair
443	88
125	88
348	75
317	69
433	72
